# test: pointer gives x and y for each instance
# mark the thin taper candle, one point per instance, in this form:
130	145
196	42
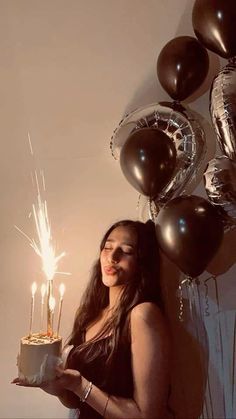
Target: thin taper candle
61	290
33	291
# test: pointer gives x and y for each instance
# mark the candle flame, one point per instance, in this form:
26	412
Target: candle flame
52	303
33	288
62	290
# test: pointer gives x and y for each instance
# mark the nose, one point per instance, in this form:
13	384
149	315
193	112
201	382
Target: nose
114	256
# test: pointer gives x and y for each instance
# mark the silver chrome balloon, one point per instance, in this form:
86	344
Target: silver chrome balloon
181	126
220	184
223	108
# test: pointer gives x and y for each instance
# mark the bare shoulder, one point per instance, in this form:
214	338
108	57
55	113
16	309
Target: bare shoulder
149	326
148	313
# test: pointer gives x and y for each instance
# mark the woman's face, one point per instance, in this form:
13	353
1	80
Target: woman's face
119	257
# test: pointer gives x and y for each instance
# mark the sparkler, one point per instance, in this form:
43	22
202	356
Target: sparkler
43	245
61	291
52	303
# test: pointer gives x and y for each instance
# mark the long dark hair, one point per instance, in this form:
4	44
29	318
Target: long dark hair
145	286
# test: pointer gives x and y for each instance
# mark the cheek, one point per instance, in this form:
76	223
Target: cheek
133	267
101	259
101	263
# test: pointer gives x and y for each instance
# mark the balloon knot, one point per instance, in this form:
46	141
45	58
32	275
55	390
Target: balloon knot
176	102
232	60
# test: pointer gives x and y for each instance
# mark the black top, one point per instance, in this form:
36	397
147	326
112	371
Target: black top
116	380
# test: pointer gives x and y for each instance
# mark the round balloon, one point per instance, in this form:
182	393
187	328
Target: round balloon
182	66
223	109
189	231
184	130
148	160
214	25
220	185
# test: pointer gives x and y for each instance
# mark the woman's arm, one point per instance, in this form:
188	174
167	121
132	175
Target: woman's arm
69	399
150	363
151	359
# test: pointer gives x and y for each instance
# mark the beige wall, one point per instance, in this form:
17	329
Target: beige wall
69	70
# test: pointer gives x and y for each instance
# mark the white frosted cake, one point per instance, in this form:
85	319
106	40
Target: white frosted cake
39	354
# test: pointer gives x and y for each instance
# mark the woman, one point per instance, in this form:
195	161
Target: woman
119	364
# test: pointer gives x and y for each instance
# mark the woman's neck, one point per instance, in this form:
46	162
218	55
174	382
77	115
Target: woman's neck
114	296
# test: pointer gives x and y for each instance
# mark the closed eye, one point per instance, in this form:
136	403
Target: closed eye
128	252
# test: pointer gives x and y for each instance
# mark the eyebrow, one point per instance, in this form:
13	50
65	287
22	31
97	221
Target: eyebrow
123	243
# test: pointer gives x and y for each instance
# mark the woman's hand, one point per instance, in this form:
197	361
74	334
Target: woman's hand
23	383
53	387
69	379
65	380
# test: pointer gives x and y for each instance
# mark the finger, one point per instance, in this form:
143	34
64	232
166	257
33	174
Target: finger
23	384
16	380
20	382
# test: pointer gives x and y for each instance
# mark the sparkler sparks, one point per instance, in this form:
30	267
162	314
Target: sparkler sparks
43	245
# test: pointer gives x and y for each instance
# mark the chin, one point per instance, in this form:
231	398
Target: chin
111	281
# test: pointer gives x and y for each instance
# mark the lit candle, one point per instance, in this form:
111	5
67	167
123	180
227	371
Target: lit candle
33	291
43	292
61	291
52	303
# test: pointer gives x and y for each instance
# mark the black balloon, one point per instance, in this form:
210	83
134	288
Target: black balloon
148	160
189	231
182	66
214	23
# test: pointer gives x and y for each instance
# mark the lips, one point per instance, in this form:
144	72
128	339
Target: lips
110	270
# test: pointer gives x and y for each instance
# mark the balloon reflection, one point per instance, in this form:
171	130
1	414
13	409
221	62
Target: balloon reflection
223	109
214	25
181	126
182	66
148	160
189	231
220	185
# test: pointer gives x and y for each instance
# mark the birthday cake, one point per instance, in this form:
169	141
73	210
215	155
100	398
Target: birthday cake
38	357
